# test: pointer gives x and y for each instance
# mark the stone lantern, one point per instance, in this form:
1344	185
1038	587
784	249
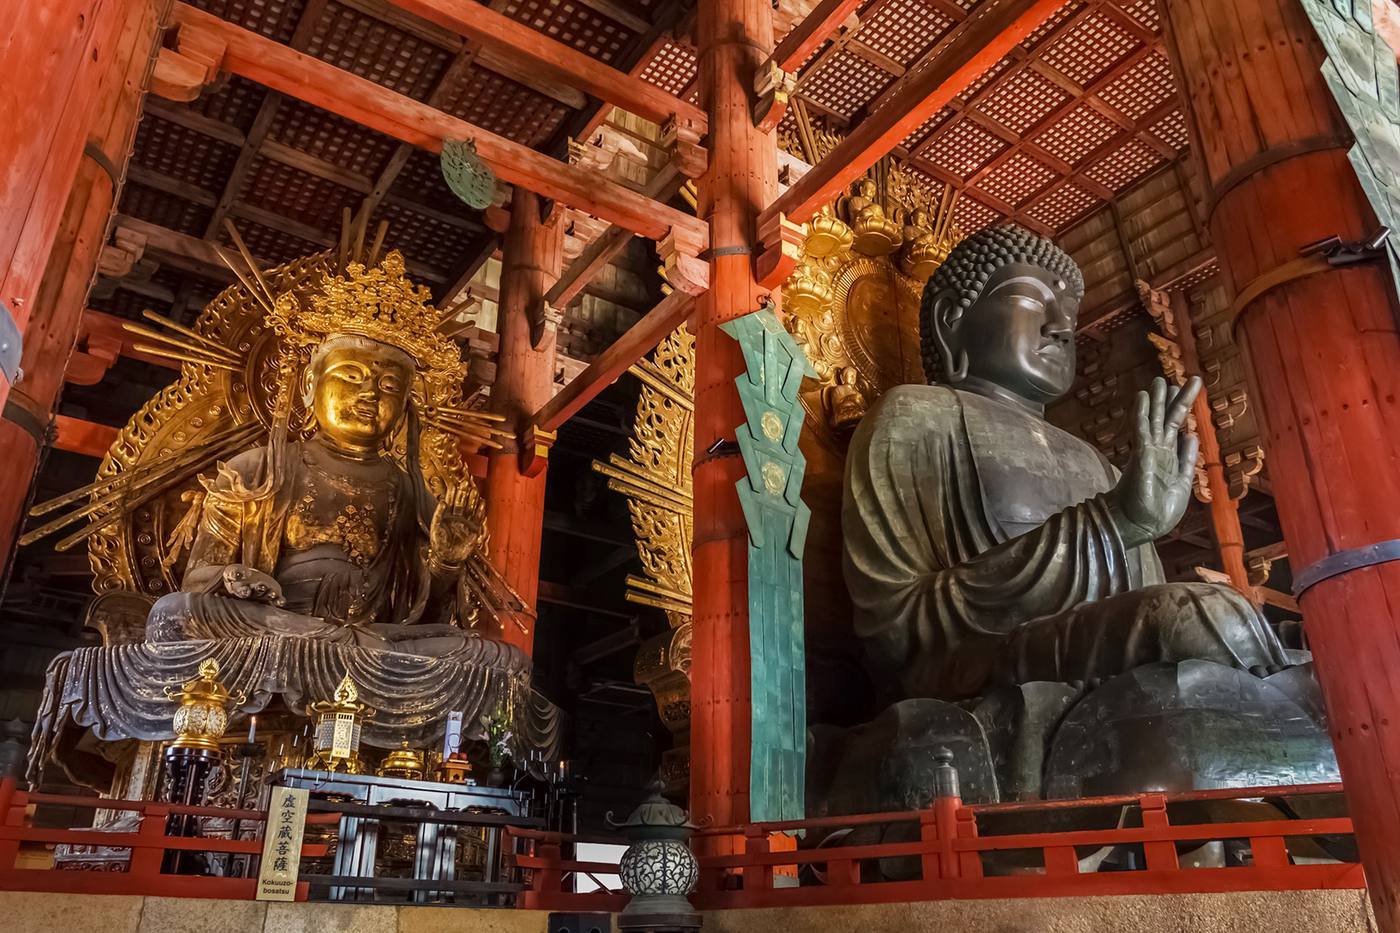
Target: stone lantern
658	869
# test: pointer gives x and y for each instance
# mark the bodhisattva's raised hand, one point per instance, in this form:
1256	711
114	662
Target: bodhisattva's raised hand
1152	494
455	533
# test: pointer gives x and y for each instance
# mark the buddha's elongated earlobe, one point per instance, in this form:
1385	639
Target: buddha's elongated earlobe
947	312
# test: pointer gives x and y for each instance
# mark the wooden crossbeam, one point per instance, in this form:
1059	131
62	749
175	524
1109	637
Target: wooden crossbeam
559	61
606	246
609	365
984	39
360	100
807	36
84	437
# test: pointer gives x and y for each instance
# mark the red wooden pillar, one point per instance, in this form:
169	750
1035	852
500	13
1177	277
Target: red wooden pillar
1224	510
530	262
734	36
113	77
54	53
1323	358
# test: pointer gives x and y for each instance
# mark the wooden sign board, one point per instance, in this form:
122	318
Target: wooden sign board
281	855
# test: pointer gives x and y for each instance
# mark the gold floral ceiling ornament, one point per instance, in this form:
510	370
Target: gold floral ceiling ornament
240	384
853	300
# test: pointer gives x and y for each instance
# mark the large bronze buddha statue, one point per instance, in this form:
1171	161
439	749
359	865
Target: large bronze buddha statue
985	545
1006	590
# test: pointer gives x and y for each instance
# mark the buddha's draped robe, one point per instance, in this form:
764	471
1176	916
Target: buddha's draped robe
979	549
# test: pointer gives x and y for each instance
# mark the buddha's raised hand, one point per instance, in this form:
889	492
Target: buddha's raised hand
1152	494
455	533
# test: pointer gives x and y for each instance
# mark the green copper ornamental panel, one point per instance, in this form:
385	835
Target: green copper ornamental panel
770	495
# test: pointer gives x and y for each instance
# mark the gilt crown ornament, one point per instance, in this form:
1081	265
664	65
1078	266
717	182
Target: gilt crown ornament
377	302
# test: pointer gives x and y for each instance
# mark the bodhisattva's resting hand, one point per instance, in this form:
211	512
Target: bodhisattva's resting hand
1152	494
455	533
243	582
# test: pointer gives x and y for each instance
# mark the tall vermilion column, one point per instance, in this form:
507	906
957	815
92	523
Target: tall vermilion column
54	53
1323	358
121	51
530	263
734	37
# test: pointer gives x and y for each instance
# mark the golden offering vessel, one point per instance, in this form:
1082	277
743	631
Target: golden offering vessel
403	762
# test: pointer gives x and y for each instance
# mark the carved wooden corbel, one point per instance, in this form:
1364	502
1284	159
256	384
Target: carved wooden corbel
780	247
534	450
181	74
772	89
682	139
681	264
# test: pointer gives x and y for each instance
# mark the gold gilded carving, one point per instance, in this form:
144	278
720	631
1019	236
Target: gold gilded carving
853	300
243	381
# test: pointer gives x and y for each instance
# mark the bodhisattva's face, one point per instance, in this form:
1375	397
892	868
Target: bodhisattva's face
359	395
1019	333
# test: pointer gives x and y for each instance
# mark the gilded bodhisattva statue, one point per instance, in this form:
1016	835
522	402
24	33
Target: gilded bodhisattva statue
329	537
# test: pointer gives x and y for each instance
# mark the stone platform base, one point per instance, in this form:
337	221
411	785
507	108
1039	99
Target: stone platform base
1340	911
1276	911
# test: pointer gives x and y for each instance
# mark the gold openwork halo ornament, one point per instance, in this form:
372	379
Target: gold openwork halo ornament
242	371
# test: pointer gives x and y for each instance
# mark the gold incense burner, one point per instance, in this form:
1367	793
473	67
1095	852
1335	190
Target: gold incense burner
403	762
202	715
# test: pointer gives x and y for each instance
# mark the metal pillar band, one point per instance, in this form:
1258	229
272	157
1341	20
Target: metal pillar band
1344	562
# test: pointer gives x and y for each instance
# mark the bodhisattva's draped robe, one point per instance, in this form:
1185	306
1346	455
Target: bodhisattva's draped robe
979	549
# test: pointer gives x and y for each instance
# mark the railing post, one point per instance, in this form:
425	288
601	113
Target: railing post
1161	856
146	859
549	881
970	862
947	800
12	805
1268	851
757	877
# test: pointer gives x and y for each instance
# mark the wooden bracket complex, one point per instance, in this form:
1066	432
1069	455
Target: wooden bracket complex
780	247
685	271
534	450
682	139
772	89
182	73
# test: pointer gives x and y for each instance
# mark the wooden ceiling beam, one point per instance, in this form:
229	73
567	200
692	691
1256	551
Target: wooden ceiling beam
607	367
88	438
555	59
984	38
358	99
807	36
261	126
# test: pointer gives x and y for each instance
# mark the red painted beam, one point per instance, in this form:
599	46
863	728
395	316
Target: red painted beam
985	38
554	59
84	437
607	366
309	79
826	17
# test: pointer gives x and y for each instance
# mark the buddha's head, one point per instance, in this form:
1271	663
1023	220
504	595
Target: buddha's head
359	389
1001	311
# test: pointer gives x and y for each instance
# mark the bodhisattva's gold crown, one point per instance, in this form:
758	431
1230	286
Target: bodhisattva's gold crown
379	303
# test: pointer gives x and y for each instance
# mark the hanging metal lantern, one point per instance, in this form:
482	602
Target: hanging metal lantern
338	721
658	869
466	174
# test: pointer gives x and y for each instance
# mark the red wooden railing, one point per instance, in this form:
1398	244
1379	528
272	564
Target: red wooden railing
148	845
955	860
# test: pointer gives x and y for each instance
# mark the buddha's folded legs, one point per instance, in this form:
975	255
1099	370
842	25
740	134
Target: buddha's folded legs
1166	622
194	616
